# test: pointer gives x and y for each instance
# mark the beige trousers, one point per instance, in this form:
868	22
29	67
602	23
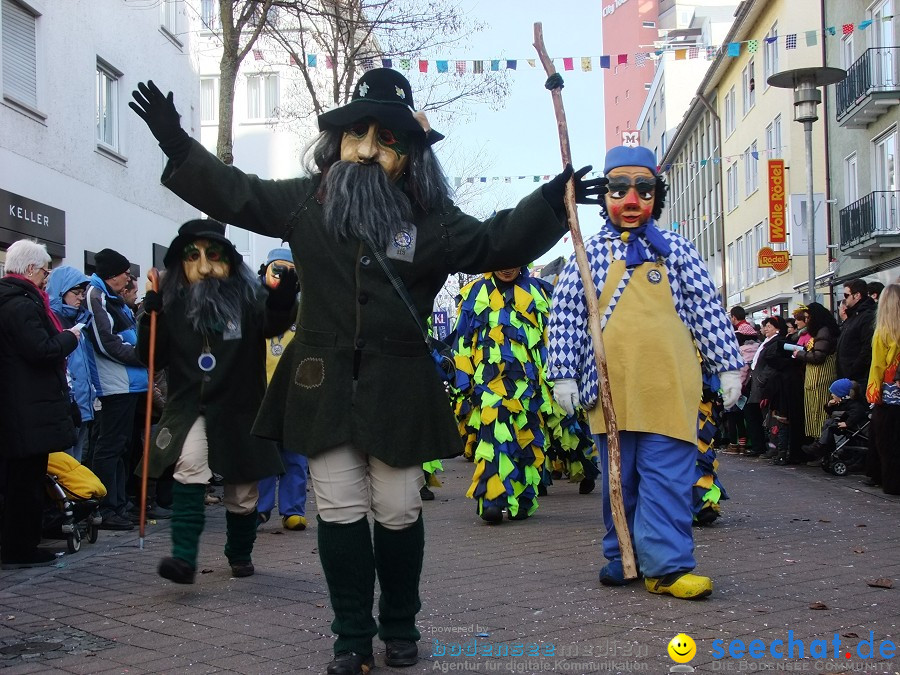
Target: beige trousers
348	484
192	468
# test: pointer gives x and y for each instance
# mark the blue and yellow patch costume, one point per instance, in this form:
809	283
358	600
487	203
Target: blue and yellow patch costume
500	345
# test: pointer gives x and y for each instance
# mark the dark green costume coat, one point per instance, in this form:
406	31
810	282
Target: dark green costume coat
228	397
398	409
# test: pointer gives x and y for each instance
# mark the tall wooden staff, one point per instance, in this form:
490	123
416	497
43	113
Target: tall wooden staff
148	417
614	474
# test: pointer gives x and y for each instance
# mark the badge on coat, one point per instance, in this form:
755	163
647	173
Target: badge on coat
654	276
403	246
232	331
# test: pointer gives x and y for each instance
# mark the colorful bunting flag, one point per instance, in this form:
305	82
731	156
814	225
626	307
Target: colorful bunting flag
734	49
423	66
586	64
623	59
460	67
478	67
640	60
567	63
329	63
711	53
387	63
754	154
791	41
495	64
368	63
811	39
771	39
292	61
531	63
847	28
752	46
680	54
604	62
831	30
311	60
864	24
257	54
404	63
441	65
693	52
511	64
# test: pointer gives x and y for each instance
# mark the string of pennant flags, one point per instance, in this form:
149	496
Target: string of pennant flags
587	63
755	154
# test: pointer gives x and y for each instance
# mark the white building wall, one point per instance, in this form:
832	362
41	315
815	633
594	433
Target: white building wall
50	153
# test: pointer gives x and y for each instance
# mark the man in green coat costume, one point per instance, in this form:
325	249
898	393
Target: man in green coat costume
212	322
356	390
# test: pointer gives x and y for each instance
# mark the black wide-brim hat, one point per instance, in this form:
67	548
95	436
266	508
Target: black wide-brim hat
382	94
193	230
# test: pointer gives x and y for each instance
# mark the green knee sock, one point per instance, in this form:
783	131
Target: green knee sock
188	516
398	559
241	533
349	566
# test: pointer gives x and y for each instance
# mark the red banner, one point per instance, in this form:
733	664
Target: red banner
777	219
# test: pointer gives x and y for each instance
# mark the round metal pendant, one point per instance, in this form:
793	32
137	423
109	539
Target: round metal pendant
654	276
206	361
277	350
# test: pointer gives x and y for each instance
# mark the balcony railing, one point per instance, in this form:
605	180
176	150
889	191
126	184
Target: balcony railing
876	72
878	213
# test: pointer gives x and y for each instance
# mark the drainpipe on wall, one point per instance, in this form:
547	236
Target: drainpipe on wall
717	129
827	204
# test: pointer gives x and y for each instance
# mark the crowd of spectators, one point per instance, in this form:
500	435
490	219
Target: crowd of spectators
809	380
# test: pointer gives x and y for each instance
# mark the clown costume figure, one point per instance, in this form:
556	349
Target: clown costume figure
658	308
213	318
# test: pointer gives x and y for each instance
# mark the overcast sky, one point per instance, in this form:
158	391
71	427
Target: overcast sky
521	138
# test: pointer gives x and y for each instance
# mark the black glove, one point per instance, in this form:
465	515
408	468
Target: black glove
152	302
162	118
586	191
284	295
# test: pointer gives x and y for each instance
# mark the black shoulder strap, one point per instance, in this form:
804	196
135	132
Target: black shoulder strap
401	290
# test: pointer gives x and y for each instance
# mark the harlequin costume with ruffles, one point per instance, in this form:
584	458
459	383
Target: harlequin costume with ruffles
658	307
500	344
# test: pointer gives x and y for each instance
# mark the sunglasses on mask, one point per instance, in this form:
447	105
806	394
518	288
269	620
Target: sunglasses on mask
619	187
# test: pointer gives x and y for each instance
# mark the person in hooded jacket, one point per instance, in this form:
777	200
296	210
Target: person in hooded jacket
35	413
67	288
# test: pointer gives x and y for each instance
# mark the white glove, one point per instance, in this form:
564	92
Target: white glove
731	387
565	392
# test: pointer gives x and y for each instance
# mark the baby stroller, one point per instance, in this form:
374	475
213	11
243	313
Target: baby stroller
73	501
849	454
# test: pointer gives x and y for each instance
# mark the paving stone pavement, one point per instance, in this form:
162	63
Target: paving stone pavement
789	537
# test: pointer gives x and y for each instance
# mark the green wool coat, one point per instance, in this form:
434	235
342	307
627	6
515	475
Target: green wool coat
228	397
351	317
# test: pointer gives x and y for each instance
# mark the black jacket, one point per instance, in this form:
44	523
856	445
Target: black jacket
854	347
35	410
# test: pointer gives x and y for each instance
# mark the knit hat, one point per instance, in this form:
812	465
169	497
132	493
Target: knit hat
109	264
745	328
624	155
279	254
841	388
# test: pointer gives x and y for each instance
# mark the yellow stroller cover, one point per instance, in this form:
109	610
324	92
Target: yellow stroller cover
76	479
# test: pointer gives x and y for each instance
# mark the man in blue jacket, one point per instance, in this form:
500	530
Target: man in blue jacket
118	376
67	288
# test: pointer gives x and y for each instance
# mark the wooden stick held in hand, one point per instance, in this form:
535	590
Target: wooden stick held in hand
614	474
148	418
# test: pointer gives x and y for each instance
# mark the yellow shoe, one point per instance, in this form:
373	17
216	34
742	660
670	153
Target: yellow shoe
680	585
293	522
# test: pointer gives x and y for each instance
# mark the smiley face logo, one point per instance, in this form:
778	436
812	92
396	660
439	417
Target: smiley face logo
682	648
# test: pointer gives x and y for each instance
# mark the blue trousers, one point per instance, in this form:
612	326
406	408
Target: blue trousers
657	475
291	487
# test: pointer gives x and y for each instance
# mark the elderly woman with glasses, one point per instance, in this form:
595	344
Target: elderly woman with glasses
35	414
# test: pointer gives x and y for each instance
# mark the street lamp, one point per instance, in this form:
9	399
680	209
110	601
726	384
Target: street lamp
806	82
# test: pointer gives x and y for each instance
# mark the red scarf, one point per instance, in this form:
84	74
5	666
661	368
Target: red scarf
44	297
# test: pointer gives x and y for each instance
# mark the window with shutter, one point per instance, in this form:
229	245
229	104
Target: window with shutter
19	54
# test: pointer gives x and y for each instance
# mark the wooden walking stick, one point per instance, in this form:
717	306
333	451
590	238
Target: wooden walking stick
148	417
614	474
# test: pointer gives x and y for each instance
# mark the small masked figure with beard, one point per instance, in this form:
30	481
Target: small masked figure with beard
213	321
356	390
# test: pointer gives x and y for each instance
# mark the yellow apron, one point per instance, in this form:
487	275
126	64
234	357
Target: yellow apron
654	370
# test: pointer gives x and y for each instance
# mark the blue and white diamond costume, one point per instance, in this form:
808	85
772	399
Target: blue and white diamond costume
662	321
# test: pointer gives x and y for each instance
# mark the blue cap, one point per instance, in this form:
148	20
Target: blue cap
623	155
841	388
279	254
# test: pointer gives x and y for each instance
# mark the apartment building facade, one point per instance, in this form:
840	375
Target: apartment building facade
78	170
863	139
